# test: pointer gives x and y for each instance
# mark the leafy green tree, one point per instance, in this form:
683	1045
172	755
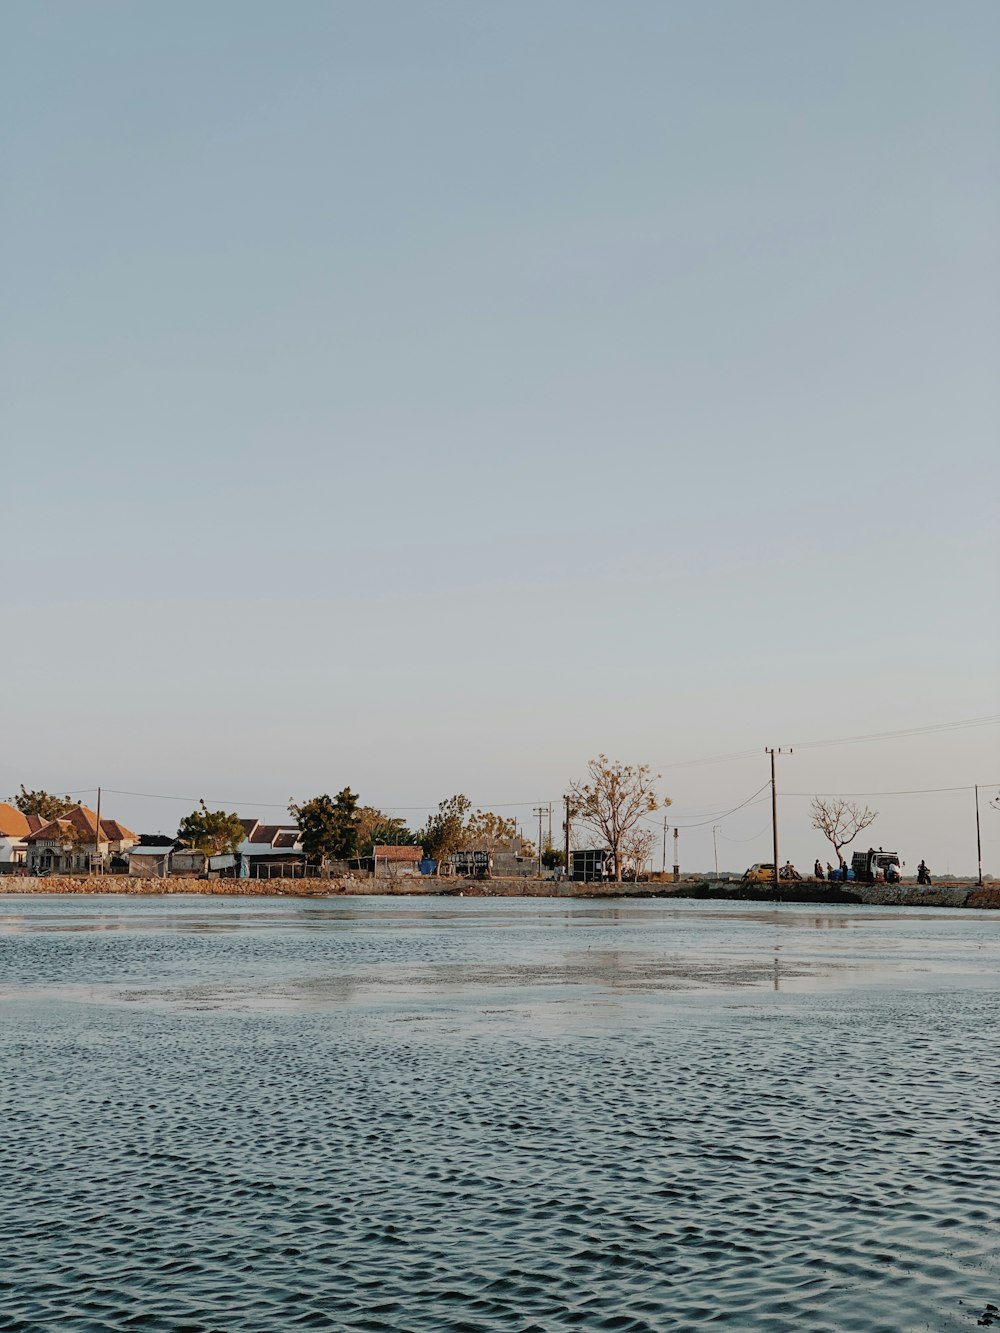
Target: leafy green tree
213	832
445	831
376	828
329	827
552	857
42	803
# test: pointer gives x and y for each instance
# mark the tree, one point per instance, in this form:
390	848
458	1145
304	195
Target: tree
42	803
486	832
612	799
840	821
552	857
213	832
329	827
444	831
637	846
377	828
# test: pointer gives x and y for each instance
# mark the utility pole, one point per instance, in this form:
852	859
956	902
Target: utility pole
550	823
979	842
774	810
715	847
97	834
540	813
677	857
663	869
566	837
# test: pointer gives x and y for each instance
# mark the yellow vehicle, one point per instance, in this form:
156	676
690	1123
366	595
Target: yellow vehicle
761	872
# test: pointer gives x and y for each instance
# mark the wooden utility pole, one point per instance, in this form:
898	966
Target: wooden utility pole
566	836
663	868
677	856
774	813
97	834
979	842
540	812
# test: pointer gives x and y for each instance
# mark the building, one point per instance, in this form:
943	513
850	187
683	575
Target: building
471	865
150	861
72	844
390	862
271	851
592	865
192	864
14	828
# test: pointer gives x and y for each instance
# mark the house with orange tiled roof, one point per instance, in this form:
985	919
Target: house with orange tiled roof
14	828
73	845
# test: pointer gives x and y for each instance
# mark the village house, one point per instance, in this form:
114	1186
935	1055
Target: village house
389	862
150	857
72	844
271	851
14	828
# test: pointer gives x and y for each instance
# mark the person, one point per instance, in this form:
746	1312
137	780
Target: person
829	870
923	874
892	873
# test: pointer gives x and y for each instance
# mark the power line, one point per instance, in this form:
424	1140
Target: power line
283	805
989	720
932	728
725	815
753	836
913	791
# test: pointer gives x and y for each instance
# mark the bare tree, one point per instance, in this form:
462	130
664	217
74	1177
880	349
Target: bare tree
487	832
637	847
613	798
840	821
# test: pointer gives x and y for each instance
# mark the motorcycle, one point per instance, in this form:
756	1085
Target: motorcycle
923	875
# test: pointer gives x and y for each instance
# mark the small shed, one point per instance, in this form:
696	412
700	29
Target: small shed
150	862
592	865
266	862
389	862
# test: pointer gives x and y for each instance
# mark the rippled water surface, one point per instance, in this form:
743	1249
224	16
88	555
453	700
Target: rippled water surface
414	1114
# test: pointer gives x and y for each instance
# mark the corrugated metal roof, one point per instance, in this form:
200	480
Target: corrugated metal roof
151	851
257	849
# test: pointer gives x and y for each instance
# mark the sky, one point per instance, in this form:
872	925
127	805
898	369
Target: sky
429	397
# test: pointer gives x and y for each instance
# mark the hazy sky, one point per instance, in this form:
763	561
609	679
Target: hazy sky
427	396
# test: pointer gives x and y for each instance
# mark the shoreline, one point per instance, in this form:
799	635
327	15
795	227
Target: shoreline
953	894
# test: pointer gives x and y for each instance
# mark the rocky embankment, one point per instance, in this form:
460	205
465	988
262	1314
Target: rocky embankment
952	895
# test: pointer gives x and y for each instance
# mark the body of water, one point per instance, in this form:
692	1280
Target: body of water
224	1114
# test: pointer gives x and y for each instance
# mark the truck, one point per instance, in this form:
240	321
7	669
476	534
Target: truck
866	865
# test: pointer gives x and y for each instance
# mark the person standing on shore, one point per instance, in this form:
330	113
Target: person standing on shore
818	869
